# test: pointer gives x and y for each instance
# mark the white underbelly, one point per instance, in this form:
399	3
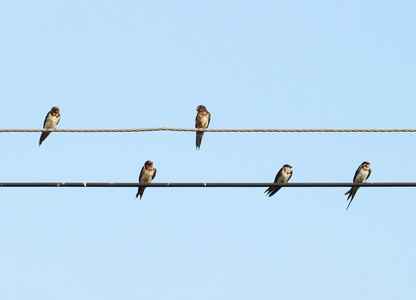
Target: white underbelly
51	122
147	176
284	178
361	177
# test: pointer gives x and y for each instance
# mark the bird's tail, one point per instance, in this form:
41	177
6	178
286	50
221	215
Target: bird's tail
43	136
348	193
199	135
351	194
349	204
140	192
272	190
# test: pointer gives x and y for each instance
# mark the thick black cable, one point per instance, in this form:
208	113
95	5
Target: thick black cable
207	184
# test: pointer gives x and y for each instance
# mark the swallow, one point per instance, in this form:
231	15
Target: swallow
282	176
202	120
147	174
51	120
361	175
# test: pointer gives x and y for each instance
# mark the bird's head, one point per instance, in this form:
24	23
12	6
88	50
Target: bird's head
200	108
55	111
148	165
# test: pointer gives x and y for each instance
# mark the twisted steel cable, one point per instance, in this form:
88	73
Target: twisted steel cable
215	129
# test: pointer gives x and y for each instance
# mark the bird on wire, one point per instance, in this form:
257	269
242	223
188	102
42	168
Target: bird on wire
361	175
51	120
147	174
283	176
202	120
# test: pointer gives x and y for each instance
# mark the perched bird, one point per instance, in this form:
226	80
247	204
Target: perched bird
282	176
202	120
51	120
361	175
147	174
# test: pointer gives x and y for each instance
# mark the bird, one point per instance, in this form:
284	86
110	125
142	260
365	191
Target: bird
51	120
147	174
361	175
282	176
202	120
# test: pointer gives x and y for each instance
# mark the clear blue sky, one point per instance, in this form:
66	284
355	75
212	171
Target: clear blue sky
266	64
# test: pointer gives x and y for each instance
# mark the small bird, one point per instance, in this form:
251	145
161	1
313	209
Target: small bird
147	174
51	120
361	175
282	176
202	120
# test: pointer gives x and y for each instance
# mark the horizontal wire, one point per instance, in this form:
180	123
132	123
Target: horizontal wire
207	184
216	129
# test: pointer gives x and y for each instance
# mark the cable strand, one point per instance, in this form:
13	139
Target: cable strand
212	129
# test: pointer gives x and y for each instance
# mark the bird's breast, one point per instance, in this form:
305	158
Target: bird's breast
202	122
147	176
362	176
283	178
51	122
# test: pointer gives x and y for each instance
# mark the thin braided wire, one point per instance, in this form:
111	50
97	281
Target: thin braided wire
216	129
206	184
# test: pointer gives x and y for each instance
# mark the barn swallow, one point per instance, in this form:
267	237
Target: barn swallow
202	120
282	176
147	174
51	120
361	175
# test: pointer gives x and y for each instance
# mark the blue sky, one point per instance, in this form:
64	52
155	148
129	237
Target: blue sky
253	64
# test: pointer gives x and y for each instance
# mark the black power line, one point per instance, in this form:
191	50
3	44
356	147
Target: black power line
208	184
